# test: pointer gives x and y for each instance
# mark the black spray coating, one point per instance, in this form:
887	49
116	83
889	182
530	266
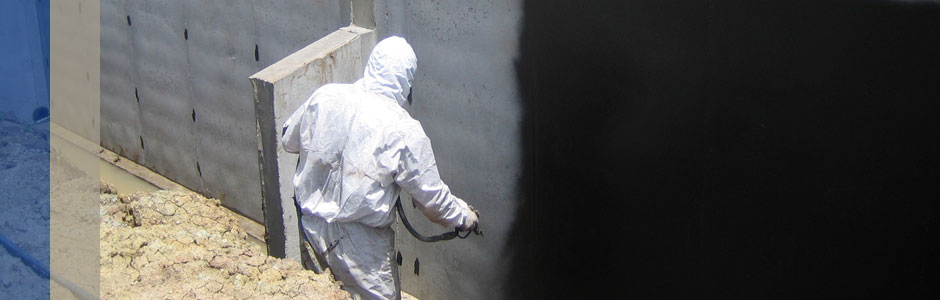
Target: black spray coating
727	150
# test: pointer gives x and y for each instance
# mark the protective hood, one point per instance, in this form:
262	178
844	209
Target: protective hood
390	70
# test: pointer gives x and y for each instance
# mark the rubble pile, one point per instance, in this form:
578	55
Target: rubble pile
175	245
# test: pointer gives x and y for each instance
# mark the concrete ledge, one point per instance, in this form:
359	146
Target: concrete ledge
278	90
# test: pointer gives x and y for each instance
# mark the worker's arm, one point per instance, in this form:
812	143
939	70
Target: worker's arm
290	136
290	132
418	175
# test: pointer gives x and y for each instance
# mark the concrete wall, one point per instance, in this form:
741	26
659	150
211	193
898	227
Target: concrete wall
467	101
175	91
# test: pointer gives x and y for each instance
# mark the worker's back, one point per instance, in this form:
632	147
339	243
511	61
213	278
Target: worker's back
350	143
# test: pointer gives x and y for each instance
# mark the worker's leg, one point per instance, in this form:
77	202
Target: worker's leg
361	257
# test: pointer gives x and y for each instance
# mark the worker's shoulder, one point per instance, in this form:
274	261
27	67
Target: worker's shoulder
333	90
386	114
406	126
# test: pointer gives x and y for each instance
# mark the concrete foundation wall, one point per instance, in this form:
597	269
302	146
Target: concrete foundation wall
175	91
467	101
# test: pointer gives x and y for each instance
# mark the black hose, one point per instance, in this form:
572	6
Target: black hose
430	239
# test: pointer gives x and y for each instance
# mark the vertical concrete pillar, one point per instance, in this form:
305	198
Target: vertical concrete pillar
357	13
278	90
362	14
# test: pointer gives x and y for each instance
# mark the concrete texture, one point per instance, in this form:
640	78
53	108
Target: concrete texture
175	93
279	90
467	101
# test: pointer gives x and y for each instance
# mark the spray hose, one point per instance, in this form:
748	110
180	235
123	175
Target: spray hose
430	239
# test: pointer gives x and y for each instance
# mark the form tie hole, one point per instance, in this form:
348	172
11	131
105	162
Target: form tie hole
40	114
417	265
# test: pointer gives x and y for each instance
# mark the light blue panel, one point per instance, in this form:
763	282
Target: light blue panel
22	67
24	150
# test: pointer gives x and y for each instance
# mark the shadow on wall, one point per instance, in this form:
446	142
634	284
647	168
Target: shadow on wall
728	149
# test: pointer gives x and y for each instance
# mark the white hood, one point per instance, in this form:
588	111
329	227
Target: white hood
390	70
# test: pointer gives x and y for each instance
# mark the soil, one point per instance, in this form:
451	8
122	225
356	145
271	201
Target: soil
177	245
24	217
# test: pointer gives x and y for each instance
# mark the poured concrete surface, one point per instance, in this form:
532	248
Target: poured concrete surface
466	99
175	94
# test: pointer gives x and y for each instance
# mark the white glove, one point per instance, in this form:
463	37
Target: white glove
471	222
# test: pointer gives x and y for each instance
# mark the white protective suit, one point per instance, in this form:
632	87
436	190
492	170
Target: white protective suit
358	148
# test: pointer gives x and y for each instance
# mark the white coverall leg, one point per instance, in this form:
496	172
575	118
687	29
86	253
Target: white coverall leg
354	257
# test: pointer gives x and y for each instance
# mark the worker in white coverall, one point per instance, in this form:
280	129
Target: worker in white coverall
358	148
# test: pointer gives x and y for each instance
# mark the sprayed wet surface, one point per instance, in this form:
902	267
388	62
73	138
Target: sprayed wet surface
176	245
123	181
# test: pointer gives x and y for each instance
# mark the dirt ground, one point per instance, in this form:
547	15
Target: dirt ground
24	217
176	245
